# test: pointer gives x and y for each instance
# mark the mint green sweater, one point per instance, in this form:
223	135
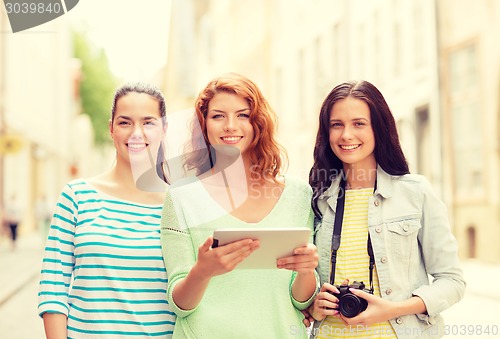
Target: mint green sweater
242	303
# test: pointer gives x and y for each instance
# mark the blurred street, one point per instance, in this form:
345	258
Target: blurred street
19	275
476	314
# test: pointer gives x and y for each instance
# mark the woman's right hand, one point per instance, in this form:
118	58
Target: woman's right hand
325	303
187	294
223	259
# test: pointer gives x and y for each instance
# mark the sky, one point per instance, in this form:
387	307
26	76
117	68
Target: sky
133	33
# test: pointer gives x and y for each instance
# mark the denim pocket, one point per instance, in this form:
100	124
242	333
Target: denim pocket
403	237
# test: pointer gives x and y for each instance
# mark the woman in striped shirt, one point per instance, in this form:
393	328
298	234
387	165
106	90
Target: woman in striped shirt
378	224
103	274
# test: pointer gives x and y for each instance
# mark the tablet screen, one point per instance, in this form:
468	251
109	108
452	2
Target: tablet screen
274	243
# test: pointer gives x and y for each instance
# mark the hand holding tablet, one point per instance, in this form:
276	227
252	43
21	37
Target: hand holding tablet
274	243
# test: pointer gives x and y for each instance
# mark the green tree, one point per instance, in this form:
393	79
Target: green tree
97	85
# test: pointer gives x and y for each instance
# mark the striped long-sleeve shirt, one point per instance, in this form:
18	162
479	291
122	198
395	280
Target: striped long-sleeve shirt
103	267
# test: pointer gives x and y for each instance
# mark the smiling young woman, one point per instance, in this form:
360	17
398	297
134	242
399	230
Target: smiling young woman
376	223
103	274
239	184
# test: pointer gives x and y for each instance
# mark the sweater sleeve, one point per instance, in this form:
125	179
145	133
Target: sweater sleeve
59	259
305	192
177	249
440	254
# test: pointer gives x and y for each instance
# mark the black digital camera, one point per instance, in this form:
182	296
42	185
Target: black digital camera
351	305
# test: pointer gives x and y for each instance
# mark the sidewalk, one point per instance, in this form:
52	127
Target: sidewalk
481	278
20	266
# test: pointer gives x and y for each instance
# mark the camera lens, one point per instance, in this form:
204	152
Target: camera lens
350	305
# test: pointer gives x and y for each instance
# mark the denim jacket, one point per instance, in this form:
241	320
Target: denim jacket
415	252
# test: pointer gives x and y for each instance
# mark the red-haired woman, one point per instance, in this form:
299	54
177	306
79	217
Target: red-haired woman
238	185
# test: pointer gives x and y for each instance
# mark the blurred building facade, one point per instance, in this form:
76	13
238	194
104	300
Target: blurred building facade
469	58
206	40
297	51
40	111
439	76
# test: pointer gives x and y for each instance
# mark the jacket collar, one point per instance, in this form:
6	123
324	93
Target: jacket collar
385	183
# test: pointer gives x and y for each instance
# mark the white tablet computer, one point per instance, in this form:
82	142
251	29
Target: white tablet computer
274	243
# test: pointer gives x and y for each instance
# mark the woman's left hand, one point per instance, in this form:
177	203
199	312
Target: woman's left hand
308	318
304	260
378	310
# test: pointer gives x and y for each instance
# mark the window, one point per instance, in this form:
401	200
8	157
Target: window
301	104
466	122
335	43
397	49
423	142
419	34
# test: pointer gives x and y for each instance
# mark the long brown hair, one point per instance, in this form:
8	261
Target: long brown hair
388	152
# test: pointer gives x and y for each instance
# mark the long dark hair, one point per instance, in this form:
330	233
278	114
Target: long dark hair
155	93
388	153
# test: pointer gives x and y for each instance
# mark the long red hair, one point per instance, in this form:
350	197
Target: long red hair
267	156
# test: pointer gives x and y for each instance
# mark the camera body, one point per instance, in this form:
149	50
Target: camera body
349	304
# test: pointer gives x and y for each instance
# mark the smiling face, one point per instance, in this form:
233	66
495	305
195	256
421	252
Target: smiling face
137	129
351	134
228	122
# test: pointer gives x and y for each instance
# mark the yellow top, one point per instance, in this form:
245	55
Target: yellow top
352	263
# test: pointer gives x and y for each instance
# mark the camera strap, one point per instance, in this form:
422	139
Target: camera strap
337	229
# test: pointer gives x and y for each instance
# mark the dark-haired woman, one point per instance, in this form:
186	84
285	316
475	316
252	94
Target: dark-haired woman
378	224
